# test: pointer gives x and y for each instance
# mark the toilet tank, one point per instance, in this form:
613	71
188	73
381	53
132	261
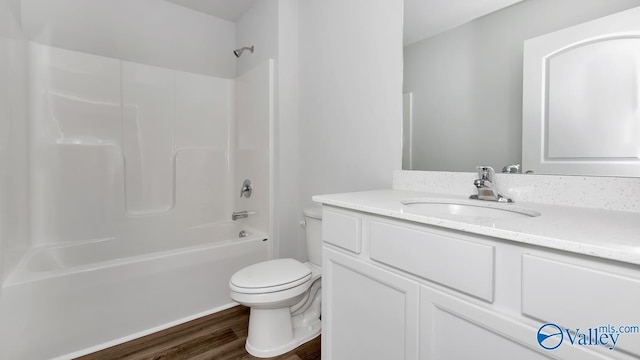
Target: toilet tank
313	229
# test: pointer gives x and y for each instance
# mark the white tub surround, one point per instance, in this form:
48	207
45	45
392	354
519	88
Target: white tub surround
433	284
14	159
135	172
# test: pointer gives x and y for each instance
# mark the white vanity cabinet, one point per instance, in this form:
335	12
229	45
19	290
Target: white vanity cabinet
396	289
452	328
372	313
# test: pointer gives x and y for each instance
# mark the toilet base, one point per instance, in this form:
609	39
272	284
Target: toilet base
271	332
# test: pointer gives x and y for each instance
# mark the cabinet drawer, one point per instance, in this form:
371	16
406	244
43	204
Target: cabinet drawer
444	257
582	296
342	229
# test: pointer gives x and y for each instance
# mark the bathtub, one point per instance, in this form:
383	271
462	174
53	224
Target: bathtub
73	299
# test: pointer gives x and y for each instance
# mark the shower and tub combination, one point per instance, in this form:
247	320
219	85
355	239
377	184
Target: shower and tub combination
134	176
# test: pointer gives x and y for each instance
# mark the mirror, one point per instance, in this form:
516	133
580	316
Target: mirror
463	86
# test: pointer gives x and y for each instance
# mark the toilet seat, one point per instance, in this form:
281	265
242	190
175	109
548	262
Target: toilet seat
270	276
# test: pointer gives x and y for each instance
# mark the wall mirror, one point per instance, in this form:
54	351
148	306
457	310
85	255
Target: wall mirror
464	92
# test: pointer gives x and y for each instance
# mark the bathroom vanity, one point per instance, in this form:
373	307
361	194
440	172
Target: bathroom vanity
417	275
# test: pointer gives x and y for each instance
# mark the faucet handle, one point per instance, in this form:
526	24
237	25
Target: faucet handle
512	169
485	172
246	189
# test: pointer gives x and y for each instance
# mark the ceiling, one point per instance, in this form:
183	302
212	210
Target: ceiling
425	18
227	9
422	18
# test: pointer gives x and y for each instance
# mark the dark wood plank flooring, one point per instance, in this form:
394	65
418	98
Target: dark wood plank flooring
219	336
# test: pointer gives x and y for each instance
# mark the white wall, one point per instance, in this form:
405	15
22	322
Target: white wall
14	192
346	135
350	95
151	32
287	145
257	27
338	112
467	83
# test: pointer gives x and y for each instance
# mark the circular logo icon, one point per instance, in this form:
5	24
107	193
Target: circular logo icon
550	336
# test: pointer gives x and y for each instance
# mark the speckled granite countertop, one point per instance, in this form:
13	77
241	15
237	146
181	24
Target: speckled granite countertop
607	234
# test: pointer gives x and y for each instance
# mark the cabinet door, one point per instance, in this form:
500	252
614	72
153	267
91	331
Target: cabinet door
455	329
367	313
585	296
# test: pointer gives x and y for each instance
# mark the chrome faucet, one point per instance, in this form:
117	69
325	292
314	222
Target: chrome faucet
241	214
486	186
512	169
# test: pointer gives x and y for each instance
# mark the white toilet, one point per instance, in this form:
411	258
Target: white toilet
284	296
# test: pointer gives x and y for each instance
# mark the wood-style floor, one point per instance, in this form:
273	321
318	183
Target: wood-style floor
219	336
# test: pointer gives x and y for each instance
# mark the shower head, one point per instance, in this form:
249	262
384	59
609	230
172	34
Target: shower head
238	52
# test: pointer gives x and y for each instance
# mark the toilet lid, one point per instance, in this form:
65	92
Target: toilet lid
313	212
270	276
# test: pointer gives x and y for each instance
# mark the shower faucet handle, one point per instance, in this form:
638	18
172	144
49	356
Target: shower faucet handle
246	189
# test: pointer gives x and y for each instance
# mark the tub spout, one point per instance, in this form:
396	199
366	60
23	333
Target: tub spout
241	214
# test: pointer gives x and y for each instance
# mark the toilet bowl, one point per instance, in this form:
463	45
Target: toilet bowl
284	297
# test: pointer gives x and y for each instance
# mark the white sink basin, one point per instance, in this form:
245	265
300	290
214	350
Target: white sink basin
469	208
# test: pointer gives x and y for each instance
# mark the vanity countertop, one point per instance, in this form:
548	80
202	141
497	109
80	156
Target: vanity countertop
606	234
